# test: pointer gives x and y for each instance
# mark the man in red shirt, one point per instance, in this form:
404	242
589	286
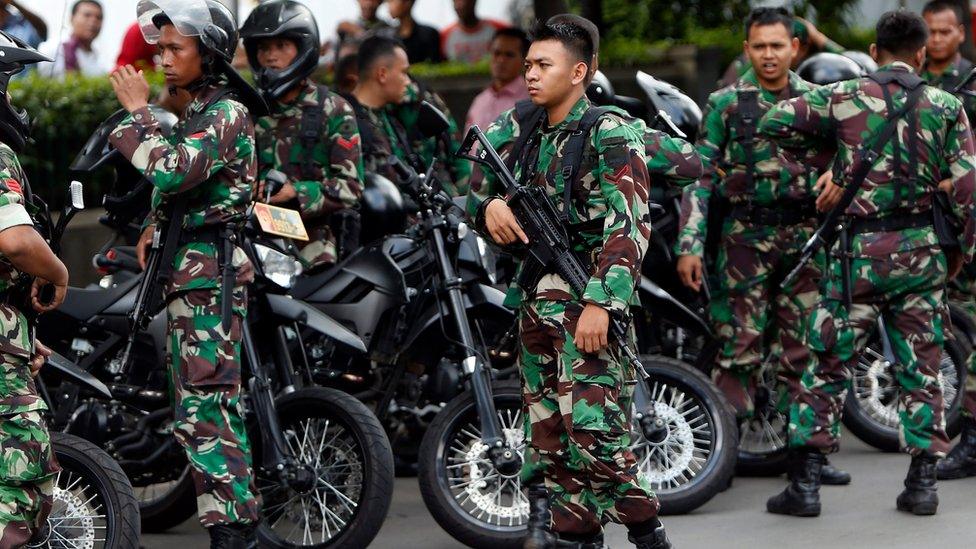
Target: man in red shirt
468	39
136	51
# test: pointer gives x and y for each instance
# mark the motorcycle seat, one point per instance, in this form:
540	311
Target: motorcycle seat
83	303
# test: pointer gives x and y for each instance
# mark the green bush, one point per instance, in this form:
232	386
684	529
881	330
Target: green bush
64	114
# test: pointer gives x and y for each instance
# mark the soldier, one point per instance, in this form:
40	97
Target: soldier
946	69
311	135
29	467
577	388
203	177
771	214
897	266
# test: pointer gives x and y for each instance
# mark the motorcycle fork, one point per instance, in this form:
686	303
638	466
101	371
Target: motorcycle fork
276	455
473	366
653	426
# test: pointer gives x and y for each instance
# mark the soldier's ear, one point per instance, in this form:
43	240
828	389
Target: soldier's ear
873	51
580	72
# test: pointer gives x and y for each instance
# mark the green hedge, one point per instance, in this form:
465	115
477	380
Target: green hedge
64	114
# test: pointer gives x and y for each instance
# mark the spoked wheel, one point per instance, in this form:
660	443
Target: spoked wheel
871	408
344	482
167	504
472	500
693	457
94	506
763	437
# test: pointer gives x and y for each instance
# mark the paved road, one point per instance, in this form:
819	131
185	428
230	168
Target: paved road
861	515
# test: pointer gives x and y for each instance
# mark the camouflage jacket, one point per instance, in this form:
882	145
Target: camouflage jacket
335	180
454	173
950	78
777	178
379	131
671	161
840	117
610	198
215	165
17	390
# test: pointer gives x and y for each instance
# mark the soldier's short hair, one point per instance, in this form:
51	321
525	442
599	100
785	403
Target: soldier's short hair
939	6
579	21
573	37
374	49
769	16
901	32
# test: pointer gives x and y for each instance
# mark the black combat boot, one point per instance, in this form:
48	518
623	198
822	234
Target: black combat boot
832	476
540	517
232	536
919	496
644	536
961	461
802	497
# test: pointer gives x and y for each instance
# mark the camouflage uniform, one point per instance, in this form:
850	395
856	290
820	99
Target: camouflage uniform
577	404
379	131
28	468
455	171
672	162
962	289
217	166
755	252
336	177
899	274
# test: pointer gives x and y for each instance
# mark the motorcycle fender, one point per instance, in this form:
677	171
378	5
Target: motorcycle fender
663	304
476	296
73	372
301	312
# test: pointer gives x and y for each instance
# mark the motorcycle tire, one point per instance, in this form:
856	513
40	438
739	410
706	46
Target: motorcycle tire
94	505
870	410
170	509
342	441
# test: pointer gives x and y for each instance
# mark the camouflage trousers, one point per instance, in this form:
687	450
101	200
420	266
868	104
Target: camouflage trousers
908	290
577	421
205	367
754	317
27	474
962	294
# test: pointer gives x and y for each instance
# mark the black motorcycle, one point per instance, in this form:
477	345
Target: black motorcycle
93	501
314	448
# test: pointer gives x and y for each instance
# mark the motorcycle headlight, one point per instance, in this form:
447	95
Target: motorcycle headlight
282	269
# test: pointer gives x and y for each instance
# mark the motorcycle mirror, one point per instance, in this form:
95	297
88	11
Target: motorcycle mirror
430	121
77	195
275	181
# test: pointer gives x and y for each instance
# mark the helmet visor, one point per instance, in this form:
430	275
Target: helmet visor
190	17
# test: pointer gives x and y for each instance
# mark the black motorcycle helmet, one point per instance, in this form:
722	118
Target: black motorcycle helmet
216	28
827	68
862	59
680	110
600	91
281	19
382	211
15	55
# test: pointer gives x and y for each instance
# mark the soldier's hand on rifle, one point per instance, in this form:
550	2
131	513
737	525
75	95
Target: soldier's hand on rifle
830	193
142	247
41	297
41	352
130	87
690	271
592	328
501	223
284	195
946	185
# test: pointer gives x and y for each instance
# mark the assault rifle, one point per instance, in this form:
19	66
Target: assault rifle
549	242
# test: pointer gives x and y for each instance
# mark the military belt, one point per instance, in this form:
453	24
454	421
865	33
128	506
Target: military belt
778	215
891	223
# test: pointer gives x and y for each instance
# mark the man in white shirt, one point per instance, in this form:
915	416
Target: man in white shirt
507	49
77	54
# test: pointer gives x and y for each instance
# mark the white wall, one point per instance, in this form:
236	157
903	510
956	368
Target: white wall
119	14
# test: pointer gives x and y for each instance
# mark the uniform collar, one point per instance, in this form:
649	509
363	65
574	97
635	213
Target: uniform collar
749	81
308	97
572	119
897	66
201	101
